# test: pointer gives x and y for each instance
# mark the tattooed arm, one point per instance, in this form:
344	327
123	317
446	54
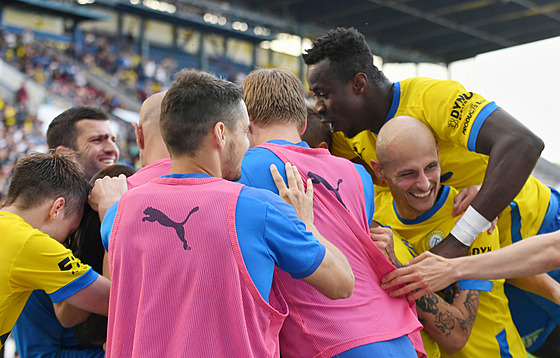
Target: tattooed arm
449	324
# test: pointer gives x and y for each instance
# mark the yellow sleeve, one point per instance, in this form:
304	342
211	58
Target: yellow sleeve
455	114
44	263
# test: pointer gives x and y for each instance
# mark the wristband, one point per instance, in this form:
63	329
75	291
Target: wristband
469	226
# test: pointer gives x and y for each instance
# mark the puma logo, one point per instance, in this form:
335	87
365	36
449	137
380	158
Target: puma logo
156	215
317	179
358	152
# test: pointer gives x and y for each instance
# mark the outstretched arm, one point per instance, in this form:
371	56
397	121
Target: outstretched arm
430	273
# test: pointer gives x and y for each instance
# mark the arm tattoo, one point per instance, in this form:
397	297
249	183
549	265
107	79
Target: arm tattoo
471	304
445	320
428	303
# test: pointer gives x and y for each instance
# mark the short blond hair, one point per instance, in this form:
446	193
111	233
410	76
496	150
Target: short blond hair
273	96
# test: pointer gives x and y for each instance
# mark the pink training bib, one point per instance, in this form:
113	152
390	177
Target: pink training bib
317	326
179	285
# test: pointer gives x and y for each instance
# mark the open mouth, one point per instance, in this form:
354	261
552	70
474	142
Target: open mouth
108	161
421	195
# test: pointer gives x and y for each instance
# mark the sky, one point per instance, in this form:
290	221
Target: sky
522	79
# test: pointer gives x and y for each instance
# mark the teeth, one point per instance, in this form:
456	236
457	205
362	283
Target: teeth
421	195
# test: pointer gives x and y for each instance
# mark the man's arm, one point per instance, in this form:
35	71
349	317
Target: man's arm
542	285
431	273
513	151
92	298
449	324
334	277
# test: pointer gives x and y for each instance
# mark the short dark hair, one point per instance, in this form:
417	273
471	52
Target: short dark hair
316	130
41	176
62	130
86	244
196	101
274	95
347	49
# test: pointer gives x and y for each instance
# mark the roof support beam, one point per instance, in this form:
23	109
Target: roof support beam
445	22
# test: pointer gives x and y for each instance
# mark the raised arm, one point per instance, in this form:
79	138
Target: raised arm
334	277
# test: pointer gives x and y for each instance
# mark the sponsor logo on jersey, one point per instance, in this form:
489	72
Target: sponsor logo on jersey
68	264
472	109
457	111
481	250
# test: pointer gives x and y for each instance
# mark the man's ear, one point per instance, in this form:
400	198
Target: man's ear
323	145
62	149
57	208
219	133
378	170
139	135
303	128
359	83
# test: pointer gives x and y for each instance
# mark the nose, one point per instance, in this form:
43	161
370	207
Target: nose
423	181
111	147
320	106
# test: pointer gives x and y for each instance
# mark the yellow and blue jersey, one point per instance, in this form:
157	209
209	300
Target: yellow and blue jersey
455	117
31	260
493	333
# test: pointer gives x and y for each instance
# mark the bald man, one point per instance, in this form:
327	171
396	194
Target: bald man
408	160
153	152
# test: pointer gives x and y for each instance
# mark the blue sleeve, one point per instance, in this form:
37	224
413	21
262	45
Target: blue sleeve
38	333
77	285
478	285
367	183
478	122
270	234
107	225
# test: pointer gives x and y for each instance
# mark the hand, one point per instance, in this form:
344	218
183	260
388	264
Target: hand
295	194
106	192
383	239
465	197
425	273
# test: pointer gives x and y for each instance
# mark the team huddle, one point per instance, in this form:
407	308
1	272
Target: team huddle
261	225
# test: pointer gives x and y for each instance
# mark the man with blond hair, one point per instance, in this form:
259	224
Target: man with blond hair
368	324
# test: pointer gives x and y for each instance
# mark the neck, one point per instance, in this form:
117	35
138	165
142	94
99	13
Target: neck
261	135
380	103
157	151
208	163
33	216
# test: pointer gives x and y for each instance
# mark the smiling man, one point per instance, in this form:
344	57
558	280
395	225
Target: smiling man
479	142
87	131
408	161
